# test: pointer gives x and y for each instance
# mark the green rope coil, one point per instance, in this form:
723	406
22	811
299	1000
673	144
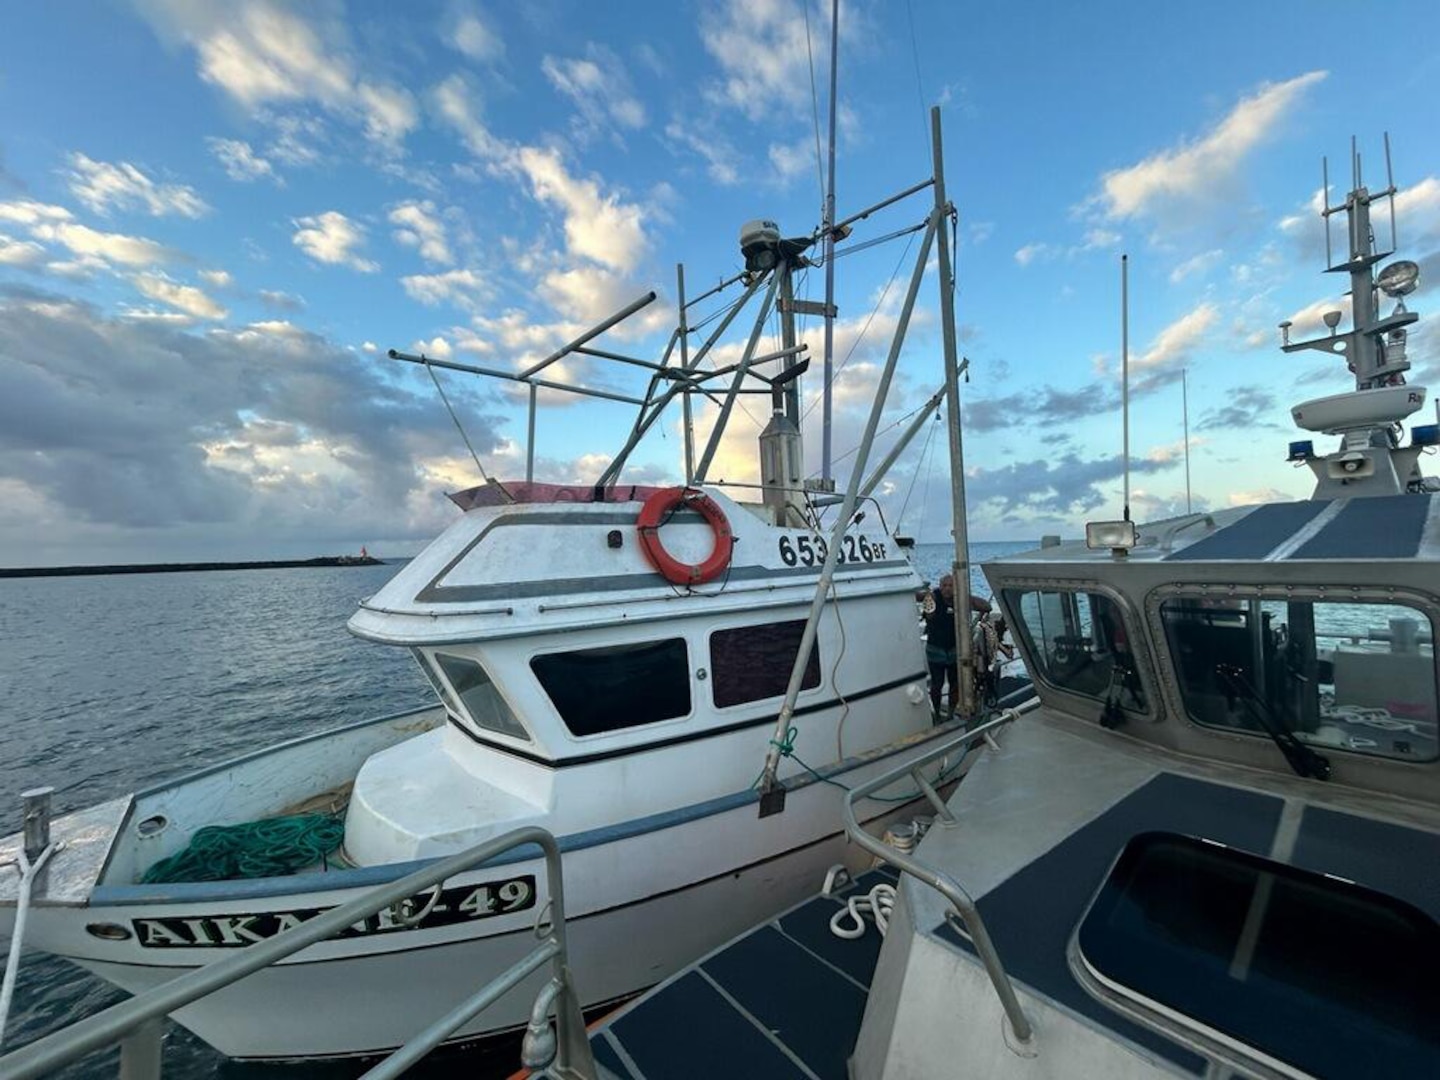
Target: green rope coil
273	847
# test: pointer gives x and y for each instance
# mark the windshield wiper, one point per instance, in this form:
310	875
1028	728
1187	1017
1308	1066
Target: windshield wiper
1305	761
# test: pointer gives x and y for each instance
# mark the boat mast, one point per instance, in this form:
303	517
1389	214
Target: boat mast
961	566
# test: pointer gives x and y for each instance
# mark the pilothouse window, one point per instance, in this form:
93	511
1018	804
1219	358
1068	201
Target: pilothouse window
1328	976
1357	677
752	663
618	686
1080	643
483	703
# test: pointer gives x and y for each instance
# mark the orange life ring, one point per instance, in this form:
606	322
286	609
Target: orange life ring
657	509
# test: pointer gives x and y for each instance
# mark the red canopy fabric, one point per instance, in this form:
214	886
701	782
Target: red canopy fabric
495	492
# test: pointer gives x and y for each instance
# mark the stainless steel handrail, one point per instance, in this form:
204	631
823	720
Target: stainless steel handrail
947	886
571	1051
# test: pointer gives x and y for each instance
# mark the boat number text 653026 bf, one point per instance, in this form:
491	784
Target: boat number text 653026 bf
808	550
459	904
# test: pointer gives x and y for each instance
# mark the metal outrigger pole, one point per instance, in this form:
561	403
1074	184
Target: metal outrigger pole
772	794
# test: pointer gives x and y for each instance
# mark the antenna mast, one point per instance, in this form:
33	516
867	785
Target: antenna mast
1185	409
1125	369
830	248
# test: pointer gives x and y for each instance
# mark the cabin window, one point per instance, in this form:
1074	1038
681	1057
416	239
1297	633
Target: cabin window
618	686
1080	643
752	663
483	703
1356	677
1331	977
437	684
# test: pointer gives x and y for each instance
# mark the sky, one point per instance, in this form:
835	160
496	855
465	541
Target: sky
215	218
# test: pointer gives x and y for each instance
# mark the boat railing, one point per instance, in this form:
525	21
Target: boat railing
136	1023
942	882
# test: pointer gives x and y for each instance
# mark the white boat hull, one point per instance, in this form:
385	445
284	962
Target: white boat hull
638	909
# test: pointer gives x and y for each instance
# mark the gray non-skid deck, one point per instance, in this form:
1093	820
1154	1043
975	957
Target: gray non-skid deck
783	1001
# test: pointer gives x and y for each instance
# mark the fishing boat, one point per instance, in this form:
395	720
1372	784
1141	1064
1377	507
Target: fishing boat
648	674
1211	849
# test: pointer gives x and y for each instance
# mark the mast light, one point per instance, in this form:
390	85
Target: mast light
1399	279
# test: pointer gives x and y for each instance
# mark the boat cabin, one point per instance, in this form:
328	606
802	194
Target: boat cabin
562	657
1214	847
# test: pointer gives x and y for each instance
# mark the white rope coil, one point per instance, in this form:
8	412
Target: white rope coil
879	902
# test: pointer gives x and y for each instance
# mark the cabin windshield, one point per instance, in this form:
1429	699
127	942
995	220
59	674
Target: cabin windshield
1080	643
481	700
1357	677
1313	970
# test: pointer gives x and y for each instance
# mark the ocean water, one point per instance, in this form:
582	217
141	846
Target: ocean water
113	683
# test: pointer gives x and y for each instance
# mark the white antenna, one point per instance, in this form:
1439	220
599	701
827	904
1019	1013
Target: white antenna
1125	368
825	389
1185	409
1325	203
1390	185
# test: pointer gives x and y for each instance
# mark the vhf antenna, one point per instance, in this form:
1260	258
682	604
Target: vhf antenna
1356	178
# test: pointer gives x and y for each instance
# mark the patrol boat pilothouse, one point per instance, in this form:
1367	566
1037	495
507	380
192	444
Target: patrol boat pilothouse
620	666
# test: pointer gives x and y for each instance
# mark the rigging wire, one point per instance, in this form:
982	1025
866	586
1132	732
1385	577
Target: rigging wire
882	431
458	426
924	452
814	102
868	320
919	83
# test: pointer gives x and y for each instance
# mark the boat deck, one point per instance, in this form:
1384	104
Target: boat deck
785	1000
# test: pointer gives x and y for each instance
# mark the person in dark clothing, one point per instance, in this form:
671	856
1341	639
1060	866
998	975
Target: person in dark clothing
941	653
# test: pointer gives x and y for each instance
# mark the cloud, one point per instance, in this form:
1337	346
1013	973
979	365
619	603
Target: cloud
25	254
1205	169
297	140
764	57
109	247
722	160
241	162
186	298
1200	264
332	238
1309	321
221	279
417	225
1258	495
463	288
458	104
1172	452
29	212
598	226
1031	252
599	86
474	37
1044	403
103	186
218	439
1094	240
792	159
267	56
281	301
1065	486
436	348
1172	350
1245	408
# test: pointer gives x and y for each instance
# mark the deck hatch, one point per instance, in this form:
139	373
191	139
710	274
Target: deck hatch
1313	971
1255	535
1380	527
